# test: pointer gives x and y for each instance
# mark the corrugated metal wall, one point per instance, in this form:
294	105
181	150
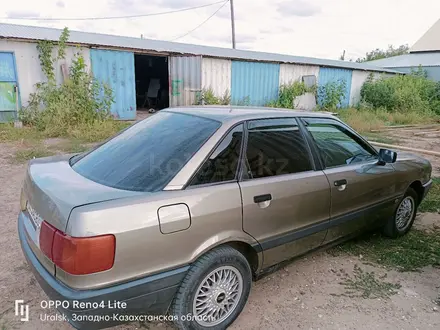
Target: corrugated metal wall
432	71
294	72
328	75
254	83
185	79
28	65
216	75
117	70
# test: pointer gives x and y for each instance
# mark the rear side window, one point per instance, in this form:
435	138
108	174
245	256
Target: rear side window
222	165
276	147
146	156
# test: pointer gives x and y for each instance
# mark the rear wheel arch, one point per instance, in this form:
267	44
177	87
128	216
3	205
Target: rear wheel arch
249	253
244	247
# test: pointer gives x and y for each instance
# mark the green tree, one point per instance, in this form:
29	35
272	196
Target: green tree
378	54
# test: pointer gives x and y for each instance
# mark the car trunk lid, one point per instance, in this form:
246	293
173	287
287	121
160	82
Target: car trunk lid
52	189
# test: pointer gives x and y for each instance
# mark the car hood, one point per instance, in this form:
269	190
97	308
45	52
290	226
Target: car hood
409	156
406	155
53	189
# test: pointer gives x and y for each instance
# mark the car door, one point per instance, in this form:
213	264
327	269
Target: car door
362	191
286	202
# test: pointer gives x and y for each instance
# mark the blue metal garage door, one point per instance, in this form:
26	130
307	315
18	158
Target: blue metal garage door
254	83
117	70
8	87
328	75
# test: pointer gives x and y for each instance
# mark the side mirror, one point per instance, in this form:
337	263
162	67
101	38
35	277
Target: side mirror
386	156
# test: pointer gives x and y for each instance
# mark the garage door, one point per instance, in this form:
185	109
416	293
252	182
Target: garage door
8	87
117	70
333	75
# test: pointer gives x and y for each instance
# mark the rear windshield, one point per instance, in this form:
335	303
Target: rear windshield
147	155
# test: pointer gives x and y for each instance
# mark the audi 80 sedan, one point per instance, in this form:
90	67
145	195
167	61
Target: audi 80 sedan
177	214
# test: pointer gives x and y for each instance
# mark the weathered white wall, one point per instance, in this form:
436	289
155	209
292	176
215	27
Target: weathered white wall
358	79
216	74
294	72
28	65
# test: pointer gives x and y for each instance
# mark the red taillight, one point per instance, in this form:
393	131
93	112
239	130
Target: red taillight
78	255
47	233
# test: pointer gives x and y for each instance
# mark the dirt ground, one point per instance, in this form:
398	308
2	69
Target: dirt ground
420	138
306	294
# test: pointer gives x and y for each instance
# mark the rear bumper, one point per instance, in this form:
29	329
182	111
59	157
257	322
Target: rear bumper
426	188
101	308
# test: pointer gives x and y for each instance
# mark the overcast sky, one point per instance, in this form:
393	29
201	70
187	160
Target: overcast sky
317	28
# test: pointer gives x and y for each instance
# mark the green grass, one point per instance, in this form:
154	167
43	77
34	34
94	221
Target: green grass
92	132
75	141
23	155
97	131
431	203
8	133
70	146
365	120
38	150
411	252
377	137
367	285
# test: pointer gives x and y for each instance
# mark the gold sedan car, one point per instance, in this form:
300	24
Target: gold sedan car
176	215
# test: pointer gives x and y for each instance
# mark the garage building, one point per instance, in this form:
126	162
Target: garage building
146	73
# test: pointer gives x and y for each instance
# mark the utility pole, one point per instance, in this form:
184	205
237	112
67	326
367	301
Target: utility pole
342	57
232	23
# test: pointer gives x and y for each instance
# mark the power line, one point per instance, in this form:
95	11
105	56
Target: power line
110	17
206	20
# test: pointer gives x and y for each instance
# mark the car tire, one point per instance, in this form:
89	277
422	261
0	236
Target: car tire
402	220
228	274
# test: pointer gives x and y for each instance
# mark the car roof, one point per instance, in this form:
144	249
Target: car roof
238	113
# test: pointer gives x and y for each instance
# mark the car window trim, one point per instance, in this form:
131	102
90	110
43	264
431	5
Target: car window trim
242	163
281	176
362	142
188	183
318	163
245	140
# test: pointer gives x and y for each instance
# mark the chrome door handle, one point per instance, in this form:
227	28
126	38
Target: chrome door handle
262	198
341	184
263	201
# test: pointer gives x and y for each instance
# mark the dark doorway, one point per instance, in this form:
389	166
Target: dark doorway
151	74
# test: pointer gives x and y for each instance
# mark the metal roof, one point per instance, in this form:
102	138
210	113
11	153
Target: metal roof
105	40
409	60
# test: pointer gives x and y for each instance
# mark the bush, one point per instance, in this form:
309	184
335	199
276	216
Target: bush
288	93
404	93
331	95
207	96
79	100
